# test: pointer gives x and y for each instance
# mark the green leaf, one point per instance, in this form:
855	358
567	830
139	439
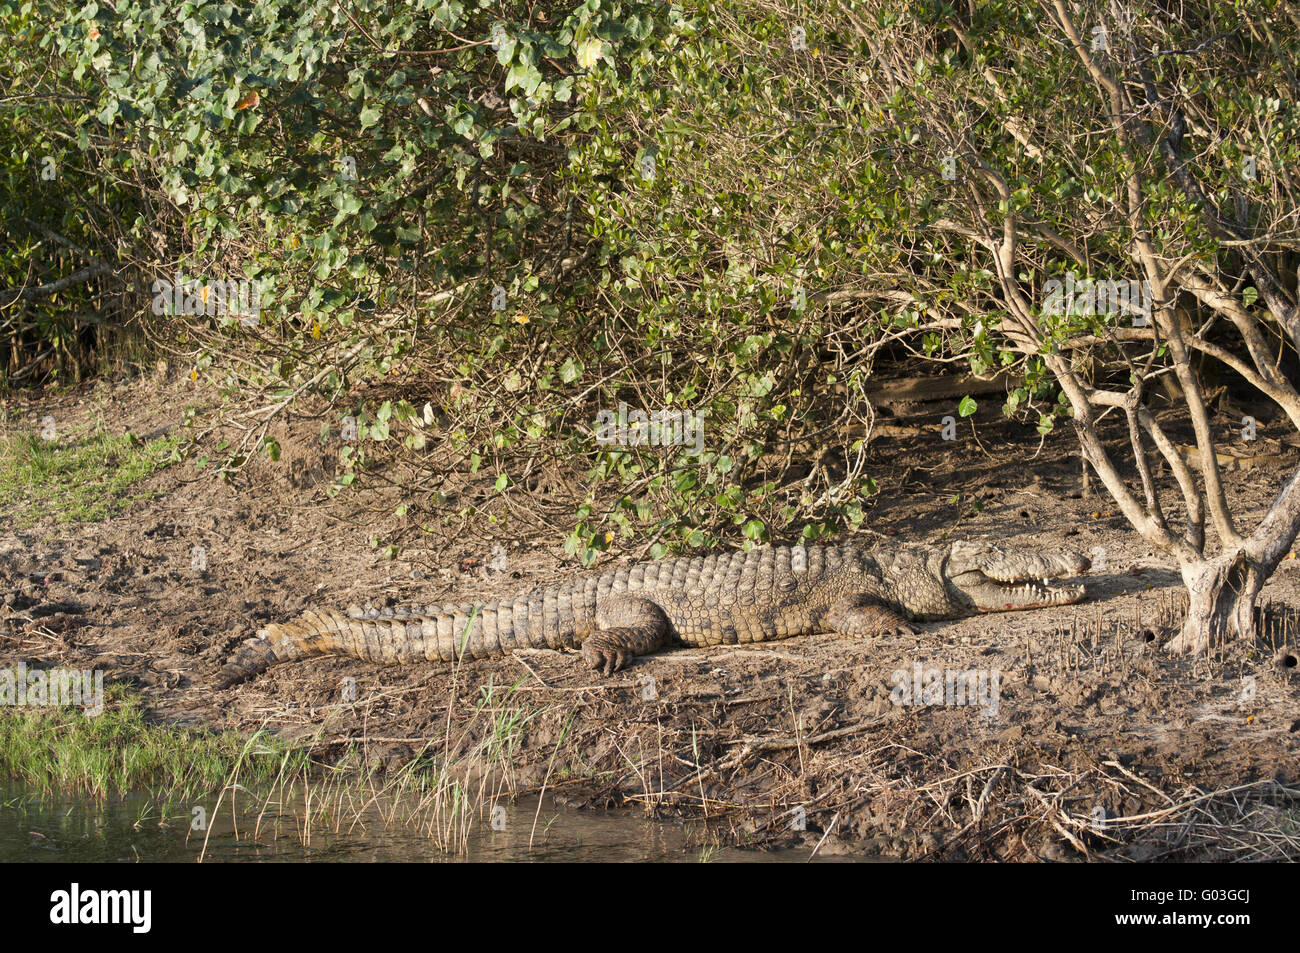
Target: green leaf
523	75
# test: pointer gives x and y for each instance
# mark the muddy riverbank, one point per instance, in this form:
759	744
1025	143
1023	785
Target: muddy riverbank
1096	743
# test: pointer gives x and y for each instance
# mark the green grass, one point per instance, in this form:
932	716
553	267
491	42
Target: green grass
79	480
61	751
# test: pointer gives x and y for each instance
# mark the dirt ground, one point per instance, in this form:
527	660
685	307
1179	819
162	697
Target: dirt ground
1100	745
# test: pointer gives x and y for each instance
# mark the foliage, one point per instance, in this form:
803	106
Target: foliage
482	225
452	194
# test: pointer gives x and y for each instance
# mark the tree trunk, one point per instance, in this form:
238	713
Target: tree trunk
1222	594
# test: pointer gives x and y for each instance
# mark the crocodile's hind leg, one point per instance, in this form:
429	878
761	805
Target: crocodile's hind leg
862	616
626	626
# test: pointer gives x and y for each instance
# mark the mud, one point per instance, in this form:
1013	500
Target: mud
1099	744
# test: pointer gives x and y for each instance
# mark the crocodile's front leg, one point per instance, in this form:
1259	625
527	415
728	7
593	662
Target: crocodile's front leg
626	627
861	616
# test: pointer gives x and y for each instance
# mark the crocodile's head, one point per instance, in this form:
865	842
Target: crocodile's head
991	579
946	582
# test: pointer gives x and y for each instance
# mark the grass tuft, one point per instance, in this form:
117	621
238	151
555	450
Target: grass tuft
61	751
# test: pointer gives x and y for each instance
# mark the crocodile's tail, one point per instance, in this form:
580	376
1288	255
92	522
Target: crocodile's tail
448	634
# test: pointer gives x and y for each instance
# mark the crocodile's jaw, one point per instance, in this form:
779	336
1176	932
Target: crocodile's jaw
987	578
984	594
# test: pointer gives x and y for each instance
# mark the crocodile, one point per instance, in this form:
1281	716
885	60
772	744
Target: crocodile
723	599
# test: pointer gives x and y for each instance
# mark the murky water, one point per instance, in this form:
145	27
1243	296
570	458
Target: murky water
134	829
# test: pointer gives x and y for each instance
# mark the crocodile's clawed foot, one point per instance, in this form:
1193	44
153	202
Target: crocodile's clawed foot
891	629
602	654
628	626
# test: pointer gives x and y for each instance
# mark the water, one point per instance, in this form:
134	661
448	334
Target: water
132	829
